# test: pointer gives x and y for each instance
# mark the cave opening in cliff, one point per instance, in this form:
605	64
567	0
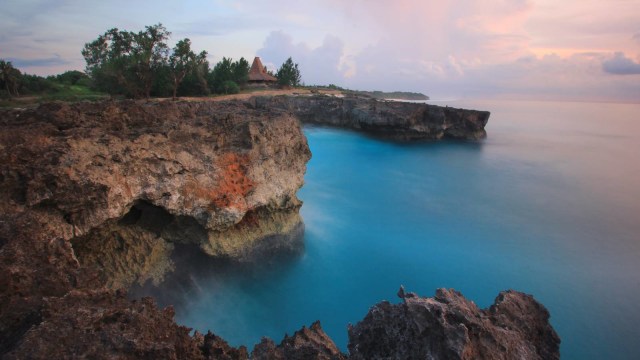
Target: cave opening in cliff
138	247
149	246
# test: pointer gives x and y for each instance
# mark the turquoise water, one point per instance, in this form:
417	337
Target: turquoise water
548	204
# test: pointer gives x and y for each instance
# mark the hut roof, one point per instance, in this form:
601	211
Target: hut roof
258	72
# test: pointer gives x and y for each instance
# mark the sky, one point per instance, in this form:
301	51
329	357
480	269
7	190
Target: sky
584	50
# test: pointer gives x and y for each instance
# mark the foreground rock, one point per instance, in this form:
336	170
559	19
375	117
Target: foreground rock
448	326
388	119
98	194
306	343
94	197
106	175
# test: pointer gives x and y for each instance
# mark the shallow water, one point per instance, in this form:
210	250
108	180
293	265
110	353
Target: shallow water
548	204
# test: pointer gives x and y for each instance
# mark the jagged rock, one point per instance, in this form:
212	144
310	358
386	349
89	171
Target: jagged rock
448	326
103	324
216	348
95	194
388	119
306	343
125	180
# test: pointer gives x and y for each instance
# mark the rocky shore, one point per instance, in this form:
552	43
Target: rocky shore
96	196
403	121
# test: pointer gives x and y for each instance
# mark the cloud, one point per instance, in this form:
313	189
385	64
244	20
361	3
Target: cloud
621	65
320	65
42	62
443	48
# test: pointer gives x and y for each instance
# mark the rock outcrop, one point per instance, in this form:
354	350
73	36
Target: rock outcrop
388	119
218	175
95	197
98	194
306	343
448	326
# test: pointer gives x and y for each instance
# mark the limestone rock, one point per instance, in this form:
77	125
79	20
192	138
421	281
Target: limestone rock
97	194
216	348
448	326
388	119
218	175
103	324
307	343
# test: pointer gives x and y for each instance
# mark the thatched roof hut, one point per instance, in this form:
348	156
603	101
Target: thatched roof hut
258	73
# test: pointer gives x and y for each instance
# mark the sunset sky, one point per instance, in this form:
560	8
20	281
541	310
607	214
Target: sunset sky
543	49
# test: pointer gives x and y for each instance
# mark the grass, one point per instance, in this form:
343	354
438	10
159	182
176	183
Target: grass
66	93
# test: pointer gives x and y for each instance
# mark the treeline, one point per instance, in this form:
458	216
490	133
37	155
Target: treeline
141	65
14	83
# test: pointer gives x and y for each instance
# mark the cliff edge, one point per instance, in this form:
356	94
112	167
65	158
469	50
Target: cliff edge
95	196
404	121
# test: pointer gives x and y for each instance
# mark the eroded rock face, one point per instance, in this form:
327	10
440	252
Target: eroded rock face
95	197
97	194
448	326
224	175
306	343
103	324
388	119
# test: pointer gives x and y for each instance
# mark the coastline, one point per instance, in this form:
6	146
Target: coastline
134	176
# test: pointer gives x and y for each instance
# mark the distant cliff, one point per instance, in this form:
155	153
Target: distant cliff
384	95
389	119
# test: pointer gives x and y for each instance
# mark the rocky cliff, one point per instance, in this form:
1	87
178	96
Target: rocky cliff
94	197
98	194
448	326
388	119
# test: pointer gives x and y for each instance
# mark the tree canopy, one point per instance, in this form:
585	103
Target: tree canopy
9	78
124	62
183	61
139	65
288	74
228	75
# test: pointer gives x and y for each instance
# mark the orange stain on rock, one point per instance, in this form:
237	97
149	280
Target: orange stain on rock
232	185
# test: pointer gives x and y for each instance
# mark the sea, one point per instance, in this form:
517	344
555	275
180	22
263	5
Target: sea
548	204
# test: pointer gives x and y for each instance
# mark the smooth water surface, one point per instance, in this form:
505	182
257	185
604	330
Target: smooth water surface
548	204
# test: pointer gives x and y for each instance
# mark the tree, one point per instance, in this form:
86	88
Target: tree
10	78
71	77
241	71
195	82
34	84
222	72
288	74
182	61
125	62
150	53
226	72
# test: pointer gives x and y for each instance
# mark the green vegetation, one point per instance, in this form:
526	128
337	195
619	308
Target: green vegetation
228	76
398	95
140	64
9	78
24	89
288	74
184	61
127	63
380	95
